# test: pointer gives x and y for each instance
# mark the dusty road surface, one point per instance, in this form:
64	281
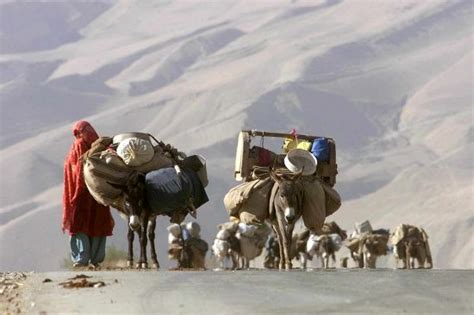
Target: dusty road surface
248	292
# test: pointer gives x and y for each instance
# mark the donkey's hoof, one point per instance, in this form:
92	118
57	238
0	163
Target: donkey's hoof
144	265
156	266
129	263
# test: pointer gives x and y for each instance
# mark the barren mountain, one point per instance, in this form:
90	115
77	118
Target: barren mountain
391	81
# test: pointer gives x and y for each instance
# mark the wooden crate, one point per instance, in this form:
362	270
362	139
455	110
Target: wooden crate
244	163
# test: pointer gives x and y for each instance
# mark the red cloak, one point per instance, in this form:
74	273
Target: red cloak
81	213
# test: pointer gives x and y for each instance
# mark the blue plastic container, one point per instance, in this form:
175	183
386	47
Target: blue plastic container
320	149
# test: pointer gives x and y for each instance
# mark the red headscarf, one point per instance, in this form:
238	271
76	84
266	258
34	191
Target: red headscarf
81	213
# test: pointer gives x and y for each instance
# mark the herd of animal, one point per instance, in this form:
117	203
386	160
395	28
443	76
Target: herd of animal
409	245
237	244
242	242
263	210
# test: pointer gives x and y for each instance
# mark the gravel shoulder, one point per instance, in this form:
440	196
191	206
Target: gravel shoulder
381	291
11	289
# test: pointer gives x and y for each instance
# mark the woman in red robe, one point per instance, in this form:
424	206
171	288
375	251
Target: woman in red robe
87	222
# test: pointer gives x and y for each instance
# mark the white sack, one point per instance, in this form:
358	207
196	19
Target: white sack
135	151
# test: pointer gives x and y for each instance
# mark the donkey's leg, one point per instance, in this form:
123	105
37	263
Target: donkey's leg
368	261
407	258
284	244
235	260
220	261
361	259
404	263
304	260
131	237
143	242
420	261
247	263
288	240
151	238
240	262
354	257
281	260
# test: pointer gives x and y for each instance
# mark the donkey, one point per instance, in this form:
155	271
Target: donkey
415	250
272	253
411	249
298	250
226	245
371	247
413	245
252	239
132	208
327	244
186	246
285	208
141	219
325	247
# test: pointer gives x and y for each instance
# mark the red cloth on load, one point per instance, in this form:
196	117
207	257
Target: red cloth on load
81	213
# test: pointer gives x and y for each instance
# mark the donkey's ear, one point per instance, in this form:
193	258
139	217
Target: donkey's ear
297	175
273	165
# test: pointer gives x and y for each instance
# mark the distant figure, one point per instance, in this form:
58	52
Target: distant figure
175	243
226	245
186	246
252	239
196	247
239	242
87	222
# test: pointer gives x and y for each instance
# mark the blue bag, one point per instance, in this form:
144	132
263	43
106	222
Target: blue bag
168	191
320	149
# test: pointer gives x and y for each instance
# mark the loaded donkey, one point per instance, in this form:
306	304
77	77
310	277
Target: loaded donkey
128	189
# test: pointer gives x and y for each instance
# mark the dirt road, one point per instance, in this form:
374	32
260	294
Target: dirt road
249	292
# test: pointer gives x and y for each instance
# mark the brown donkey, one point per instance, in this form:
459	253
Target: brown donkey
285	208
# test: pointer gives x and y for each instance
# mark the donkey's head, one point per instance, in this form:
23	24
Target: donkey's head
371	244
289	196
412	245
326	245
134	199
